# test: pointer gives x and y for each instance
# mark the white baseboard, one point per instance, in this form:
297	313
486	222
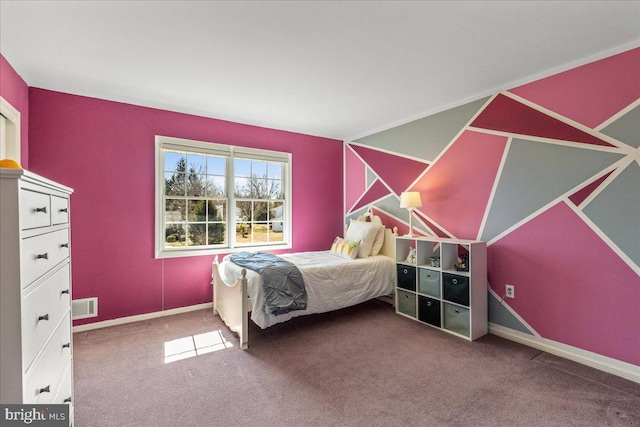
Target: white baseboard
139	317
594	360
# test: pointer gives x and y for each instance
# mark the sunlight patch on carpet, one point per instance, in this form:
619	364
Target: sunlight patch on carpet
194	345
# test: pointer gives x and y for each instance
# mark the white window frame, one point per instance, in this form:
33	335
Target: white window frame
10	139
169	143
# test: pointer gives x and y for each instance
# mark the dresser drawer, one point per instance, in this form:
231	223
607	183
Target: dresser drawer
41	253
64	393
35	209
42	311
59	210
41	380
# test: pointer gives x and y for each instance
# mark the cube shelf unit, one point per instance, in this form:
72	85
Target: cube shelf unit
437	294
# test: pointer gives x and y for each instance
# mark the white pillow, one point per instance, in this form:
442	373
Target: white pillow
378	241
365	233
345	248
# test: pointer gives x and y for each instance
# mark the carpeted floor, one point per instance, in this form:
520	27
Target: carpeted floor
362	366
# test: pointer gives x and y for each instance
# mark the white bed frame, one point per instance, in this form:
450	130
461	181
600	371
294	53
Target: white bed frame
231	301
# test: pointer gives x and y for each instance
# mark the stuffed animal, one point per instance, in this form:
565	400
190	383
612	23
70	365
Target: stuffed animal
411	258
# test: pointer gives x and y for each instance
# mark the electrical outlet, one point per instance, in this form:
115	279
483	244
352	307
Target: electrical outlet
510	291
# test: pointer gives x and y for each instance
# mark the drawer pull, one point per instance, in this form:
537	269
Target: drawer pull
428	303
44	390
64	245
66	291
63	210
404	271
43	210
67	345
67	400
44	317
42	256
454	281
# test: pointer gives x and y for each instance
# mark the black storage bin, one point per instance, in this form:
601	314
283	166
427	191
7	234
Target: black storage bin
429	310
456	288
406	277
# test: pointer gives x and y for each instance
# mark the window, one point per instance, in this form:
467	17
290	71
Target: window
218	198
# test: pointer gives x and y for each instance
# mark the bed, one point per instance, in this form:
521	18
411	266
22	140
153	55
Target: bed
333	278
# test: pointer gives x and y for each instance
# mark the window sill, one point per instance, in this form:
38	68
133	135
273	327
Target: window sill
180	253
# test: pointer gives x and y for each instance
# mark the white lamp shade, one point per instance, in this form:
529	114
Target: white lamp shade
410	199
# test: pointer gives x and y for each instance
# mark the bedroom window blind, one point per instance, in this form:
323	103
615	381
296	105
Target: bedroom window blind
220	198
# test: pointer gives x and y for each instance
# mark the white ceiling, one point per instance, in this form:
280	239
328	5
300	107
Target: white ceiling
328	68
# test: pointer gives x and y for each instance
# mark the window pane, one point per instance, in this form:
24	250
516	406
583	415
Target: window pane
242	167
197	163
242	187
174	184
197	235
259	189
197	210
259	169
275	189
196	185
216	210
276	234
276	210
217	234
260	211
174	235
175	210
243	211
216	165
275	170
216	186
243	233
174	161
261	232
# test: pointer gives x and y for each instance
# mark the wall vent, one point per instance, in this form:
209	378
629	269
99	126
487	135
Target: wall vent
83	308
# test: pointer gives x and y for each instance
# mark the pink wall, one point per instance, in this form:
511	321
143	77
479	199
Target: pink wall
105	151
15	91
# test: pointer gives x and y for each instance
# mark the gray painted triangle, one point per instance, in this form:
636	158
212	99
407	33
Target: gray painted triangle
425	138
500	315
535	174
371	177
622	223
626	128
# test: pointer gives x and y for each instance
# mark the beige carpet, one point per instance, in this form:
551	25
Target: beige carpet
362	366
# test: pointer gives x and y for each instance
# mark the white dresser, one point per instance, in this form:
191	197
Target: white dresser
36	348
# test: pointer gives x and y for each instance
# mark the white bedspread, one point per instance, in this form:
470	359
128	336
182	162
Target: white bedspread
332	282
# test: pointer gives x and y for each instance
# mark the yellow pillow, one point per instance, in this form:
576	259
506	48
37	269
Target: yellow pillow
345	248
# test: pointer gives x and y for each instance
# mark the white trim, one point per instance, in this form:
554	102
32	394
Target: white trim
139	317
12	149
584	357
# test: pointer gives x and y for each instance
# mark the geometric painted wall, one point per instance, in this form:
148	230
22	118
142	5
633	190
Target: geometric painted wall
548	174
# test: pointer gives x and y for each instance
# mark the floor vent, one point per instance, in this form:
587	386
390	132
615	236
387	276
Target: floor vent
83	308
